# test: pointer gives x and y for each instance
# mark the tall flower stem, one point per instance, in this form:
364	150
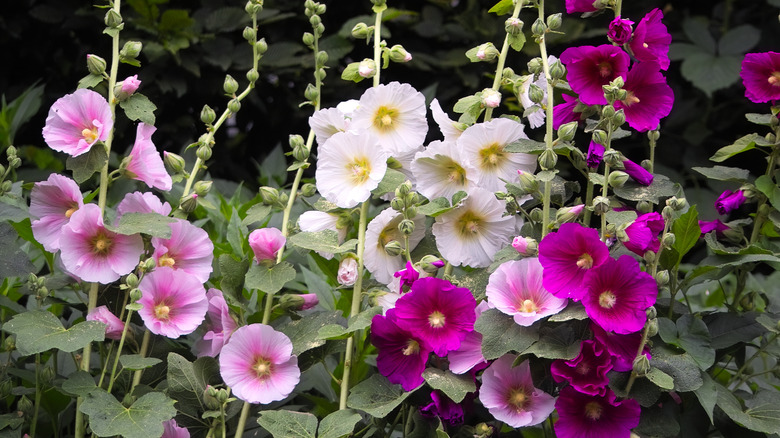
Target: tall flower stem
378	9
142	353
34	423
118	353
502	59
605	185
548	136
634	375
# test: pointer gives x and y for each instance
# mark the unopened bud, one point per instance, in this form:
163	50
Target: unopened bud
535	66
9	344
652	328
535	93
308	190
668	241
367	68
619	118
536	215
406	227
644	206
234	106
557	70
431	264
653	135
548	159
600	205
411	211
676	203
397	204
47	375
361	31
617	178
222	395
528	182
135	293
207	115
491	98
189	203
261	46
404	189
25	406
149	264
394	248
667	213
411	198
483	430
113	19
96	65
203	152
252	75
538	28
641	365
554	21
210	398
600	136
399	54
568	214
513	26
250	34
525	246
202	188
566	132
131	50
485	52
651	311
322	58
735	235
131	280
613	158
608	111
174	162
269	195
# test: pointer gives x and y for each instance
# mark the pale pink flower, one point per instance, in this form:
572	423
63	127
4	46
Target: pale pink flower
138	202
52	202
189	249
174	302
172	430
114	325
348	272
510	396
515	288
220	324
146	164
266	243
469	355
130	85
77	121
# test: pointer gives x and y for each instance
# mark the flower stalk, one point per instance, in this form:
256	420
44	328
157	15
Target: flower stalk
548	136
502	59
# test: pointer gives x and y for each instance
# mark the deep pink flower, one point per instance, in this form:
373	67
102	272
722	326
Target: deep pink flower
402	355
265	243
408	275
468	357
761	76
589	68
595	155
622	348
172	430
729	201
716	225
138	202
637	172
515	288
114	325
52	203
220	325
648	97
510	396
445	408
76	121
587	372
651	39
643	233
258	365
586	416
618	294
174	302
620	30
93	253
145	163
189	249
567	255
573	6
563	113
130	85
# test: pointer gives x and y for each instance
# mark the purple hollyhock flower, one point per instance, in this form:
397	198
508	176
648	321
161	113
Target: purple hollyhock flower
729	201
145	163
174	302
114	325
567	255
620	30
589	68
651	40
716	225
220	325
445	408
760	75
188	249
618	294
138	202
52	203
621	348
586	416
437	311
648	97
563	113
643	234
402	355
637	172
77	121
515	288
587	372
595	155
407	276
573	6
509	394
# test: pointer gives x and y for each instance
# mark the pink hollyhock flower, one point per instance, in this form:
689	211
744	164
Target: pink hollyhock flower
510	396
595	155
220	325
402	355
515	288
622	348
309	301
130	84
76	121
258	365
567	255
643	234
760	75
468	357
618	294
189	249
145	163
348	272
174	302
138	202
587	372
729	201
407	276
648	97
525	245
620	30
585	416
445	408
637	172
437	311
52	203
651	39
93	253
172	430
265	243
563	113
716	225
573	6
589	68
114	325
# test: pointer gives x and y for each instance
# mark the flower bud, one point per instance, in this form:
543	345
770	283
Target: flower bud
600	136
652	327
538	28
210	398
250	34
298	301
651	311
367	68
131	280
322	58
321	9
126	88
536	215
618	119
528	182
557	70
234	106
189	203
667	213
491	98
411	211
207	115
600	205
735	235
641	365
554	21
617	178
47	375
266	243
406	227
525	246
397	204
96	65
548	159
483	430
150	263
25	406
261	46
568	214
9	344
486	52
315	20
394	248
513	26
222	395
203	152
677	203
135	294
535	66
399	54
252	75
252	7
269	195
431	264
362	31
348	272
662	278
644	206
308	190
174	162
202	188
411	199
608	111
230	85
113	19
613	158
131	50
535	93
5	388
668	241
566	132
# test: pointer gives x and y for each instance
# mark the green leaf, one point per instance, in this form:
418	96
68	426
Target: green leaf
436	207
79	384
683	369
233	273
707	394
86	164
620	217
697	30
139	107
559	342
764	411
770	189
723	173
760	119
503	7
526	146
303	332
322	241
389	183
137	362
338	424
721	261
357	322
376	396
743	144
38	330
694	338
269	280
90	81
661	187
727	329
144	418
288	424
686	232
256	213
500	334
516	41
455	386
236	233
14	262
572	311
709	73
739	40
152	224
187	381
660	379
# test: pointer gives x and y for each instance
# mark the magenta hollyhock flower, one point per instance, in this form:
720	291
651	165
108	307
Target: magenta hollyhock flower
716	225
651	40
573	6
515	288
172	430
114	325
586	416
589	68
145	163
407	276
138	202
618	294
587	372
77	121
265	243
760	75
729	201
258	365
567	255
445	408
92	252
510	396
621	348
174	302
52	203
437	311
595	155
402	355
620	30
189	249
220	325
648	97
643	233
637	172
563	113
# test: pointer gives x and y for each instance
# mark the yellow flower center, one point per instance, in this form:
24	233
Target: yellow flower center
90	135
412	347
161	311
71	210
630	98
585	261
492	156
166	260
607	299
359	170
389	233
262	368
774	79
436	319
517	398
468	224
101	244
645	45
385	117
528	306
593	410
605	69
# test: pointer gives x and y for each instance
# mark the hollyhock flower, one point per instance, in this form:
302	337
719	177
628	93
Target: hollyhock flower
563	113
472	233
382	230
585	416
716	225
760	75
266	243
130	85
220	325
172	430
92	252
510	396
349	166
595	155
145	163
310	301
138	202
76	121
643	234
189	249
589	68
620	30
52	203
442	170
567	255
468	357
437	311
587	372
491	98
408	275
443	407
327	122
618	294
449	128
395	115
515	288
637	172
484	145
174	302
348	272
622	348
258	365
525	245
729	201
114	325
402	355
648	97
573	6
536	118
651	40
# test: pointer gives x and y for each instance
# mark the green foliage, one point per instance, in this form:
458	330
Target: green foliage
151	224
18	112
376	396
455	386
269	279
86	164
303	332
187	382
322	241
137	362
39	330
139	107
288	424
338	424
142	419
500	334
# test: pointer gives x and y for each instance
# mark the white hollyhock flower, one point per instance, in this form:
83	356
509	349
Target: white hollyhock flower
536	118
449	128
483	145
441	170
327	122
349	166
382	230
472	233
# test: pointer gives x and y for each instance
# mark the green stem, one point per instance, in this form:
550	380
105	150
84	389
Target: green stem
118	353
588	202
222	417
502	60
605	186
377	43
34	423
548	122
651	137
744	366
142	353
242	420
638	353
618	7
